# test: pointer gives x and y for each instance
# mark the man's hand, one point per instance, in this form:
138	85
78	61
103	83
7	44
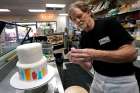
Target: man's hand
80	55
83	57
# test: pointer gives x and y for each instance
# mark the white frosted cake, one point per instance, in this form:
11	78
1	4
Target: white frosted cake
31	63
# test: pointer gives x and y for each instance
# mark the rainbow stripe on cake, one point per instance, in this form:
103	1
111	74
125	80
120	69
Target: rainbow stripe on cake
33	73
30	74
32	65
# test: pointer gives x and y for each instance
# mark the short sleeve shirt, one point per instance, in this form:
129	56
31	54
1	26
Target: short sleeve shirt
108	34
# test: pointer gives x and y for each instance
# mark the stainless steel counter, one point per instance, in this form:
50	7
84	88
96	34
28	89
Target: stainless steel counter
137	62
53	86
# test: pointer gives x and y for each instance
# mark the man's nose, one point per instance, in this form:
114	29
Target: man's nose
78	21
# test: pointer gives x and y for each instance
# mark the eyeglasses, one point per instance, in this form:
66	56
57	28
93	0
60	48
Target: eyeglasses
78	17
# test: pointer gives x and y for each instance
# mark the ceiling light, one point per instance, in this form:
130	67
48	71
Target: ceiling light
36	10
64	14
56	5
4	10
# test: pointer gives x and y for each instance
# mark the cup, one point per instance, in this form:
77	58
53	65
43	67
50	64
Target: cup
59	58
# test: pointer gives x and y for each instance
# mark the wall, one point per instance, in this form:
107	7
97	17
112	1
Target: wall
61	20
30	18
61	23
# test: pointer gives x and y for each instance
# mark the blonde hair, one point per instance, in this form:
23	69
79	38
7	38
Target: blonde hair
83	6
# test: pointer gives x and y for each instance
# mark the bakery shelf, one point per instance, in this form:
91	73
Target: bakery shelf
125	13
56	38
131	11
61	33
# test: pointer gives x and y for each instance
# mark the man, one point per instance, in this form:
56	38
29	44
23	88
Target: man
106	43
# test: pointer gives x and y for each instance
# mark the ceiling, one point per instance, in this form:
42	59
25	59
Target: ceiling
20	7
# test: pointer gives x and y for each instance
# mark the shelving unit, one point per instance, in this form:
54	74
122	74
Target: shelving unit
125	13
117	7
129	25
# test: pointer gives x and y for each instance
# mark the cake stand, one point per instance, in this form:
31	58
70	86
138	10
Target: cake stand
26	85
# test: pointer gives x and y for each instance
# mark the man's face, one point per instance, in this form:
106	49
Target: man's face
80	18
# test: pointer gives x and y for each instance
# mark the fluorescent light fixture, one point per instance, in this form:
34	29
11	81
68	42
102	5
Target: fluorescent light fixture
36	10
4	10
64	14
56	5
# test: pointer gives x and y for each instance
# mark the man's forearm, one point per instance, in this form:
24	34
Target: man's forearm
127	53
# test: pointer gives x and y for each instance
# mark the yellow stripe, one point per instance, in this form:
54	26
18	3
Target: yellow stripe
44	71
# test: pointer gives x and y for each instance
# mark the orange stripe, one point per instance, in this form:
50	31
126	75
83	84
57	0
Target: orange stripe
27	74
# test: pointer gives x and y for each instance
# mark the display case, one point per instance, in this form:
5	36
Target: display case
56	38
9	40
8	61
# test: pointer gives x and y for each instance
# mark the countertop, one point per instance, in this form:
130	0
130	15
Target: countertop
53	86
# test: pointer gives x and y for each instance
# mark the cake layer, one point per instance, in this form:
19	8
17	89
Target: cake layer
29	53
32	65
35	71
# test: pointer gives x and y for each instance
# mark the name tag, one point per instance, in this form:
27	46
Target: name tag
104	40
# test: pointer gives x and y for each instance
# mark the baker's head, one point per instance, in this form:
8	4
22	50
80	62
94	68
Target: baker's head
80	14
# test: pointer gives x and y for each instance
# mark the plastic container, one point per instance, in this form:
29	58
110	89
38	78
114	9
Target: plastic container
48	51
